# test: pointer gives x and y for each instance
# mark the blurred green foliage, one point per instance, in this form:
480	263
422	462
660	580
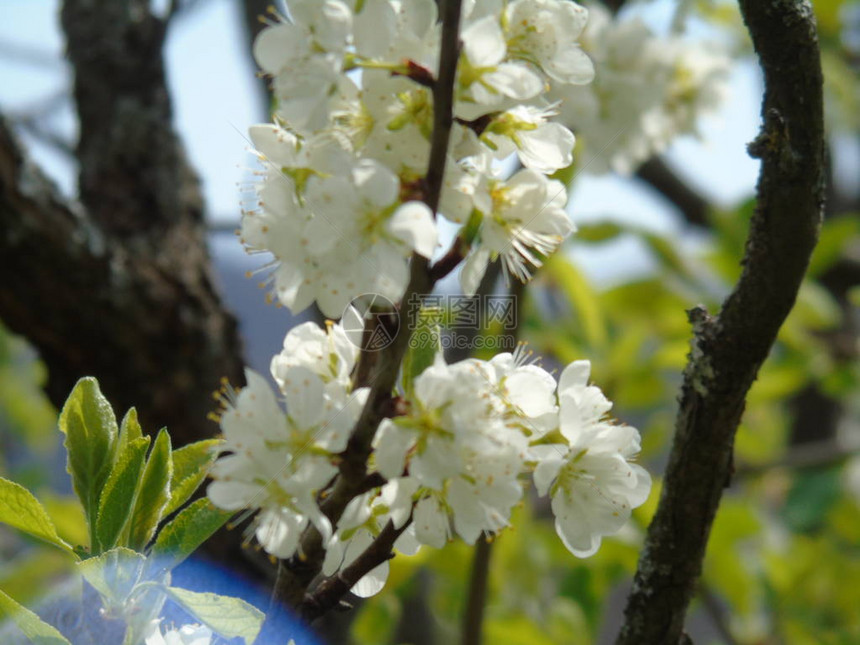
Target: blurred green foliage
28	424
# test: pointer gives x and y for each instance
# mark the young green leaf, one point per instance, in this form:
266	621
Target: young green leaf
89	424
190	465
129	430
425	343
598	232
118	495
230	617
19	509
35	629
153	494
114	573
187	531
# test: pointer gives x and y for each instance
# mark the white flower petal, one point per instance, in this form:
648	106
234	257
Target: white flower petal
372	583
431	523
473	270
484	42
413	224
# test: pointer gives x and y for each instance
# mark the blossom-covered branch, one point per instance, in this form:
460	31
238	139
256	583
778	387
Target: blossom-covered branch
355	173
727	350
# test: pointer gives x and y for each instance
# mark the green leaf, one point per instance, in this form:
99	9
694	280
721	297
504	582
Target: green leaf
813	494
565	175
665	252
119	494
836	234
599	232
581	297
34	628
230	617
424	344
129	430
89	424
154	493
67	515
190	466
19	509
187	531
114	574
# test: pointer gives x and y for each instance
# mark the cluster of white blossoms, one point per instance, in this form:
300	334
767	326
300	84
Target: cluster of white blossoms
455	461
648	90
339	205
475	430
278	461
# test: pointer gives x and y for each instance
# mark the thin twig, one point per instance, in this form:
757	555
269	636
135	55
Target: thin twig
663	179
329	591
717	613
476	599
803	455
452	258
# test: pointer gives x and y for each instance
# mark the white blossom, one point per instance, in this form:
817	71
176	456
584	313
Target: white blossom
647	90
278	462
523	218
340	207
337	229
592	480
304	57
540	144
458	448
185	635
487	81
545	32
329	353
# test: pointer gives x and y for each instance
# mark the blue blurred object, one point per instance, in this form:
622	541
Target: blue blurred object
84	624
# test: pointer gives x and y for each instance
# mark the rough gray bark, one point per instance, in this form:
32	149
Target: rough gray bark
727	350
121	288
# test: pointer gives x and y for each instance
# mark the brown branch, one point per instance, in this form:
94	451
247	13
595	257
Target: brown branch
91	305
328	593
296	575
476	599
451	260
253	14
813	454
728	350
692	206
